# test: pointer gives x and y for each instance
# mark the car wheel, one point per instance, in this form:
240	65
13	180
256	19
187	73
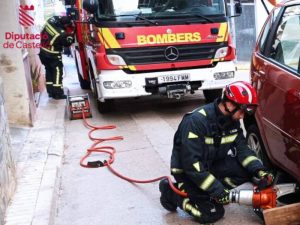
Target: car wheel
211	95
255	142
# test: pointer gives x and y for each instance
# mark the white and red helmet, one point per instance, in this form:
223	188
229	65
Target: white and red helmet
242	94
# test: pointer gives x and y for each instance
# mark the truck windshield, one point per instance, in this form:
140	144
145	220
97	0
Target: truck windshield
122	10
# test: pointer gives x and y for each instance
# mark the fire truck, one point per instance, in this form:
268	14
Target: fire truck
139	48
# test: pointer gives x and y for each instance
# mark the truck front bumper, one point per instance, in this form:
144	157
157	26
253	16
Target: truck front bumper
134	85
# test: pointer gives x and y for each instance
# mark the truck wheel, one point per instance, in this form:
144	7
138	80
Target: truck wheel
105	107
93	81
94	88
211	95
84	84
255	142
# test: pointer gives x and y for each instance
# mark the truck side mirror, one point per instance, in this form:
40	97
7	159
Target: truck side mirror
73	13
238	8
90	6
70	2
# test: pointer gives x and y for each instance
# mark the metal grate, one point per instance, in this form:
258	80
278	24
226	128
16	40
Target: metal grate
156	54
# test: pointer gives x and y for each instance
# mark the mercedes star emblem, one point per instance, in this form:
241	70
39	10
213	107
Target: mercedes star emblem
171	53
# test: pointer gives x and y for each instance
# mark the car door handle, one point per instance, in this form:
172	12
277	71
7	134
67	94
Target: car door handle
261	72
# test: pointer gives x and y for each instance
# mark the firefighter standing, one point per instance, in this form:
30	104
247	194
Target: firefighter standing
55	35
210	156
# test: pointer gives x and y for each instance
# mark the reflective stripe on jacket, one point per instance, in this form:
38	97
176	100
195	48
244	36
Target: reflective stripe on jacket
54	37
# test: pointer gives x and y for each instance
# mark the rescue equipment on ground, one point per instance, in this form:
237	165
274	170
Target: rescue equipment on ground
261	199
76	103
258	199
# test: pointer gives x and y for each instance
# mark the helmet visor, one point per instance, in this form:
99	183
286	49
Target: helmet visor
249	109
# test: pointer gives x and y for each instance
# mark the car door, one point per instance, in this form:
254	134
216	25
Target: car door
279	92
259	70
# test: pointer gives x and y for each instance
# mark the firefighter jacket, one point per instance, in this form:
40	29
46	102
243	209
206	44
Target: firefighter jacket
204	136
54	37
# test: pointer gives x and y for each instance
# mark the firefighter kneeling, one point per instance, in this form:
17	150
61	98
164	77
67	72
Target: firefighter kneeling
57	33
210	156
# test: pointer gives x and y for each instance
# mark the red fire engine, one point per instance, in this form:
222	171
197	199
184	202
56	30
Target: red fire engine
153	47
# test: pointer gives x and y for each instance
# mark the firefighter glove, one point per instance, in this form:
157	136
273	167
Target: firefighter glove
223	198
265	179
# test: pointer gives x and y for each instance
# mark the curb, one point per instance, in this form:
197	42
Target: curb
34	202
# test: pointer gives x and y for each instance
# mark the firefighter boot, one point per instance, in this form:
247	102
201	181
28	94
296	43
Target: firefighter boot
58	93
59	96
168	198
49	88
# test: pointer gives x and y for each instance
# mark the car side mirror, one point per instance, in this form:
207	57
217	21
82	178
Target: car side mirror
90	6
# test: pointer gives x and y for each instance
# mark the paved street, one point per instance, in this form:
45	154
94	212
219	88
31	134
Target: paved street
96	196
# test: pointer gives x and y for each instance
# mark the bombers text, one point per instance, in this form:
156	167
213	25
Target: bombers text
168	38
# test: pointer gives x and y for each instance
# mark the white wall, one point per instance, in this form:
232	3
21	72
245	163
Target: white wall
7	165
19	99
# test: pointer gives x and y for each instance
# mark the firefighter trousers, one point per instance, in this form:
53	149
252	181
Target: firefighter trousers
54	74
198	203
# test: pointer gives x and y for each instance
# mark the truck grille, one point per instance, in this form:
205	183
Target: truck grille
152	55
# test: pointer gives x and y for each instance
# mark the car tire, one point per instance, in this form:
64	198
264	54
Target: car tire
255	142
211	95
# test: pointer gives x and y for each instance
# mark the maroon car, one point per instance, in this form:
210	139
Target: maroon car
274	132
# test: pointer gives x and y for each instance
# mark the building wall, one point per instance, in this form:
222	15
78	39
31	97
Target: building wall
261	14
14	69
246	28
245	32
7	166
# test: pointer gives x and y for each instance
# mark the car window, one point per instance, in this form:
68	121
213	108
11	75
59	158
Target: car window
262	41
286	45
264	37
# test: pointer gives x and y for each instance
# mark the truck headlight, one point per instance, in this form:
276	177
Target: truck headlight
117	84
221	52
116	60
224	75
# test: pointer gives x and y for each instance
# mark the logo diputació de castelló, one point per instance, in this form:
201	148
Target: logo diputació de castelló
25	19
23	40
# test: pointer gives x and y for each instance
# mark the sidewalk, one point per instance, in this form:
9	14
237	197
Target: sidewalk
38	153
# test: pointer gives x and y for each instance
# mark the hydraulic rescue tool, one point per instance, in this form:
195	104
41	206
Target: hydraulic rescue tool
261	199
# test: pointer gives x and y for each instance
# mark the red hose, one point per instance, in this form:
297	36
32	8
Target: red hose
111	152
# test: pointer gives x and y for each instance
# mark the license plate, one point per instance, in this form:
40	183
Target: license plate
174	78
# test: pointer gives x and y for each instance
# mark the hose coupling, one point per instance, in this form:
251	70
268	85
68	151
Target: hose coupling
95	164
